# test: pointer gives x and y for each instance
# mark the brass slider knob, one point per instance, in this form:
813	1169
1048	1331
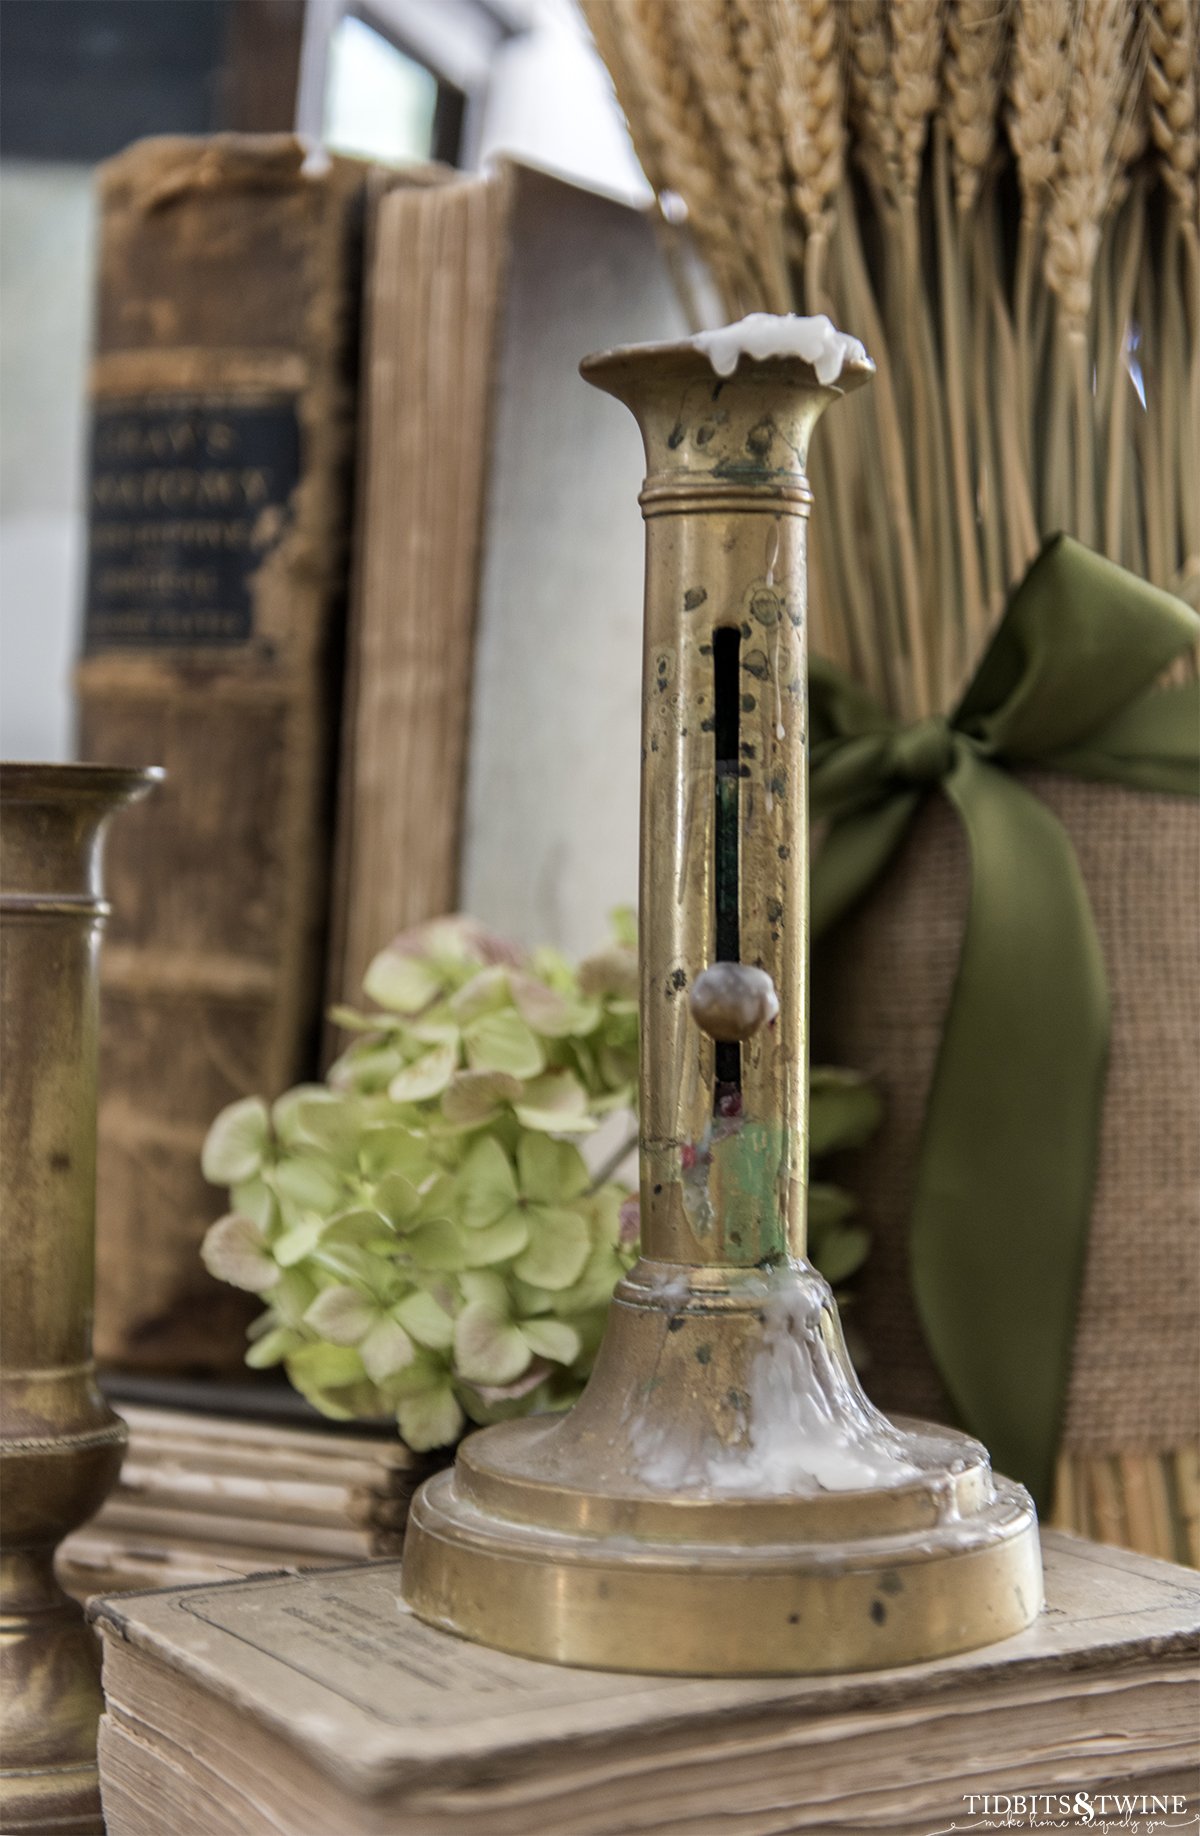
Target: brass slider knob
732	1001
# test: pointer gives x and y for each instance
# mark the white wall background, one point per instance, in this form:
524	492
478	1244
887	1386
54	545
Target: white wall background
46	255
550	102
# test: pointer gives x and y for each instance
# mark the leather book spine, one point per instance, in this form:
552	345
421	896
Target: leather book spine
223	401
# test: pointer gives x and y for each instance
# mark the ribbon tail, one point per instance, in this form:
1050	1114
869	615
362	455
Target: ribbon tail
1008	1155
854	853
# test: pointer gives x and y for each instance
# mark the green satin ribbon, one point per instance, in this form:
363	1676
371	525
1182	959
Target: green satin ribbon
1008	1155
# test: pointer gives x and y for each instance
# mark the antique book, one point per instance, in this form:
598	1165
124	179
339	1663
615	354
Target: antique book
210	1496
223	406
312	1703
497	519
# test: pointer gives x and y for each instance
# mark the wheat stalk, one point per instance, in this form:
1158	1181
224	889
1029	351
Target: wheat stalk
917	28
1172	76
752	46
976	42
706	40
809	87
871	92
1083	177
1041	69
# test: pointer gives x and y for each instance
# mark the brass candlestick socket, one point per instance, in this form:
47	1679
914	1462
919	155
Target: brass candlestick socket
723	1499
60	1444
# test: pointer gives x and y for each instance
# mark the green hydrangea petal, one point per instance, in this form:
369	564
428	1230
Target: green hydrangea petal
350	1020
299	1240
397	1199
402	983
488	1348
237	1143
318	1371
495	1242
485	993
286	1111
552	1339
308	1183
253	1198
559	1246
504	1042
600	1275
485	1286
234	1251
548	1171
273	1348
486	1185
550	1011
386	1349
438	1246
430	1417
342	1315
426	1077
366	1068
474	1097
613	973
556	1103
529	1301
358	1227
388	1148
292	1296
424	1321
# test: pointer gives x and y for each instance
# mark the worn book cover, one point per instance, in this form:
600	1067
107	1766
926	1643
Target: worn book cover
316	1703
495	626
223	395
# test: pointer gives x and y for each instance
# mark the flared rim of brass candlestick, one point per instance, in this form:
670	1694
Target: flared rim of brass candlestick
680	356
31	780
723	1499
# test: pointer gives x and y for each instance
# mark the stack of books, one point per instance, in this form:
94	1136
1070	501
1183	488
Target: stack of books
206	1496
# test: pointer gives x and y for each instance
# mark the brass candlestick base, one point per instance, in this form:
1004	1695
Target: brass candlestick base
60	1443
723	1500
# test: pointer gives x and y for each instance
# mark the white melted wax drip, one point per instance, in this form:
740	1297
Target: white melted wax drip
764	334
805	1427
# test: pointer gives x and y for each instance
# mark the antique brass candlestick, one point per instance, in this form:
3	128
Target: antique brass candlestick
60	1444
723	1499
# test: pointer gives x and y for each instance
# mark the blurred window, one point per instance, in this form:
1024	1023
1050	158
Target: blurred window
378	101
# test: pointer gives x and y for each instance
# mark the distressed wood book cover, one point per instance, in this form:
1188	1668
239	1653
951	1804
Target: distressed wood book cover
223	391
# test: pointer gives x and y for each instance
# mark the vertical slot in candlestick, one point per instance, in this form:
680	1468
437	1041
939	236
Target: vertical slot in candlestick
727	642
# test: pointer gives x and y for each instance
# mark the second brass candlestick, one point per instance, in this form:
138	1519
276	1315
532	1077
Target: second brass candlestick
723	1499
60	1443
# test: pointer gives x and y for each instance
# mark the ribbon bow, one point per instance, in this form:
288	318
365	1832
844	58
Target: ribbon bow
1008	1154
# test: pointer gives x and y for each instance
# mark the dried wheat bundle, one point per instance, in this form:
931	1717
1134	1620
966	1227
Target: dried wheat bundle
1002	198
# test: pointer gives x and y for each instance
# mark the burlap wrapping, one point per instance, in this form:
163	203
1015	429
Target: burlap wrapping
881	987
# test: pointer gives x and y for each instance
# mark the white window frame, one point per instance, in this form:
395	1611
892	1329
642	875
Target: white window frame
456	39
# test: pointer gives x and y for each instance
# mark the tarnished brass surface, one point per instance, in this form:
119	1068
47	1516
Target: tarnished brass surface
60	1444
723	1499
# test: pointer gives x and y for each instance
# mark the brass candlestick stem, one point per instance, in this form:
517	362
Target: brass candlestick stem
723	1499
60	1444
